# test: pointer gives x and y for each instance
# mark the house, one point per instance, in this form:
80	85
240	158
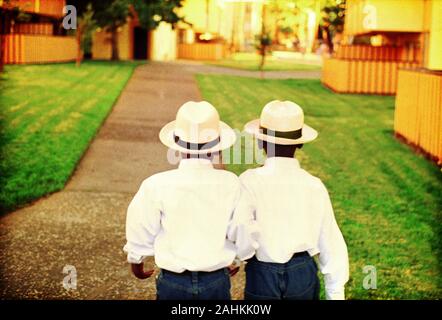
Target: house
211	26
395	47
39	36
381	37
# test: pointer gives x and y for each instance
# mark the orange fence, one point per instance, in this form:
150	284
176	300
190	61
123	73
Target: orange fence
201	51
382	53
362	76
21	48
418	113
34	28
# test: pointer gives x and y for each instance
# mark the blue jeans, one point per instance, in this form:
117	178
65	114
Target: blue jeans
194	285
296	279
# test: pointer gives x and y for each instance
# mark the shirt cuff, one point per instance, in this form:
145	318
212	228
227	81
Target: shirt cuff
136	258
335	294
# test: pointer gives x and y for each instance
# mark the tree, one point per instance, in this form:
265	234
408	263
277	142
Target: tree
285	14
333	17
263	39
152	12
112	15
86	24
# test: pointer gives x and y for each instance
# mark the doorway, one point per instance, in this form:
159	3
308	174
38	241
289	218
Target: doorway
140	43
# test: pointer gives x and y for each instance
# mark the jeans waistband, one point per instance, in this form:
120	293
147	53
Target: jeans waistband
188	273
296	255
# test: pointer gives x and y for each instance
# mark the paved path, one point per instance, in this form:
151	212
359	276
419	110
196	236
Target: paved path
83	225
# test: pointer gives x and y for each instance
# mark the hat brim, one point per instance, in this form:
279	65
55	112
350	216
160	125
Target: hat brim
227	139
308	134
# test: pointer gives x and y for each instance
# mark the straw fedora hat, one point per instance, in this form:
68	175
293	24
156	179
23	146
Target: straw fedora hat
197	130
281	122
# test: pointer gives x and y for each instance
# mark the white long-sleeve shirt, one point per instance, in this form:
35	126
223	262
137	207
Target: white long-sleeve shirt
294	214
186	219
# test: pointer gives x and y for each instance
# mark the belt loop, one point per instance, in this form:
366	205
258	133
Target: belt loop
194	276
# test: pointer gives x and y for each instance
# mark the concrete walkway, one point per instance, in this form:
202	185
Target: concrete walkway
84	225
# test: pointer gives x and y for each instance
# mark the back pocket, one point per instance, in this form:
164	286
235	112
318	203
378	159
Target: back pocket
302	282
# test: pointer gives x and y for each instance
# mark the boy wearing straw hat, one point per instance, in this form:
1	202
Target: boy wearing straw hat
186	217
294	215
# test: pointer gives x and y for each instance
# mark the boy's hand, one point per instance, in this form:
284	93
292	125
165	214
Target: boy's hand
138	271
233	269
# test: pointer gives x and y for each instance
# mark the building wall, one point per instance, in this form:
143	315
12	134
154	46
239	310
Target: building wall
236	22
384	16
411	36
163	43
195	13
34	42
434	61
47	7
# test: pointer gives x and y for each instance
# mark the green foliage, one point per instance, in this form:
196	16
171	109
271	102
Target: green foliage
285	13
286	30
49	115
387	199
333	16
87	24
111	14
152	12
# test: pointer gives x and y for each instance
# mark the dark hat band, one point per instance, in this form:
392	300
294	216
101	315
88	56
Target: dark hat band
195	146
296	134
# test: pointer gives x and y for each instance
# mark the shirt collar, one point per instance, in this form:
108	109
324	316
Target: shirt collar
282	162
195	163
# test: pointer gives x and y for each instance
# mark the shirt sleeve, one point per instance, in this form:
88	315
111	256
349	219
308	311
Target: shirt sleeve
333	256
243	228
143	223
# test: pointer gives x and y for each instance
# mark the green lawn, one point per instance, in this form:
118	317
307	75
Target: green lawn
387	199
250	61
49	114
